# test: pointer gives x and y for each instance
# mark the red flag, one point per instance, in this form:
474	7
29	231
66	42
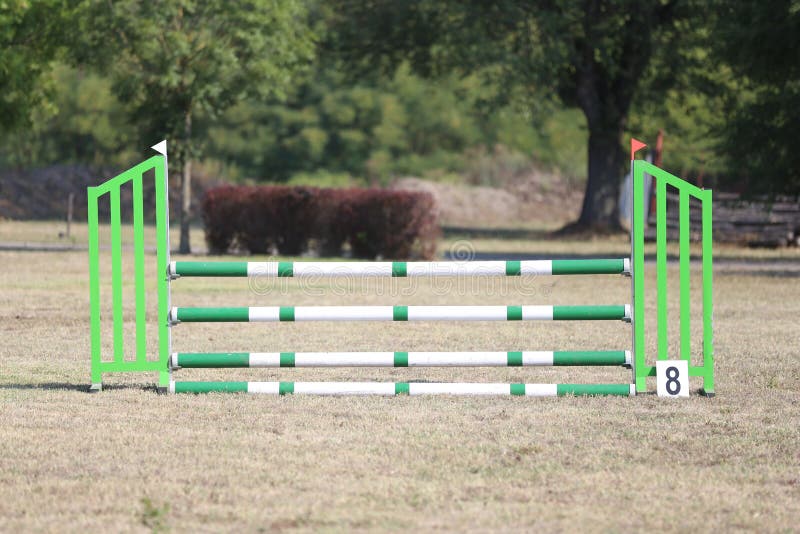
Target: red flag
636	145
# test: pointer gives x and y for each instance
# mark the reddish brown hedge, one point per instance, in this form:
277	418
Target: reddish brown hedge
373	222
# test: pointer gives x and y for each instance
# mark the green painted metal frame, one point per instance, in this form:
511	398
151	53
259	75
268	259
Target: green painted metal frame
641	368
140	362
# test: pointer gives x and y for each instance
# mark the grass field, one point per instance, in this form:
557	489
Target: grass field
129	460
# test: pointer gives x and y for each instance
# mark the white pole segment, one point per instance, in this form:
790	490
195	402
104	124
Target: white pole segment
458	313
541	390
321	268
262	268
343	313
541	313
266	313
538	357
270	388
542	267
457	359
455	268
423	388
344	359
265	359
344	388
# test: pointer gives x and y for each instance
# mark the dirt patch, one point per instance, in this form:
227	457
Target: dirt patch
533	199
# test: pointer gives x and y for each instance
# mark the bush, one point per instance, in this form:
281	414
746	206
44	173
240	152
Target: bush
374	222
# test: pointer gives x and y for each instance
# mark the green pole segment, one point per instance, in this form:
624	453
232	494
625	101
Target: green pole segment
513	268
400	313
616	266
215	315
594	389
580	313
399	269
587	357
210	387
401	359
214	360
211	268
285	269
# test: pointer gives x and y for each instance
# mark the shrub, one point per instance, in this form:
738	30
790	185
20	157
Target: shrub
374	222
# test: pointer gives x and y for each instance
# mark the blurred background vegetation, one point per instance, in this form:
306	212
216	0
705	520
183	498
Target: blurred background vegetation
351	93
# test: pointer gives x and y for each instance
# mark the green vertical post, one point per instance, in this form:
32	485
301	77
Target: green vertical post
708	296
661	267
138	252
685	277
162	260
94	288
637	277
116	276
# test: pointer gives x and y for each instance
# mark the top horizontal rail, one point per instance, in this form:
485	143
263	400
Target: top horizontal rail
674	181
127	176
309	269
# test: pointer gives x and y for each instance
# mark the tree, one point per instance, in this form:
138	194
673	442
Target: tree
760	42
29	38
172	60
591	54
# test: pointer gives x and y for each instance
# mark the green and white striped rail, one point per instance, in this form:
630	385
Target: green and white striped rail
399	313
398	359
402	388
310	269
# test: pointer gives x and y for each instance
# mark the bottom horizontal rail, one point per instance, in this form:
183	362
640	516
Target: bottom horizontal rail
402	388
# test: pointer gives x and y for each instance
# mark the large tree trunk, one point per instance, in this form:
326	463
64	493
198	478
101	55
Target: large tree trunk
186	187
606	166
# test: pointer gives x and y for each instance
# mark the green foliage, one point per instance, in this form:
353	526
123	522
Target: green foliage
83	124
760	41
377	130
170	60
30	32
444	90
590	54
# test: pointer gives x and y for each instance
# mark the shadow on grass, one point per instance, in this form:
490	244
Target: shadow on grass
65	386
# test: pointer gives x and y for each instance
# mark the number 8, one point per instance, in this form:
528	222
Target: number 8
672	378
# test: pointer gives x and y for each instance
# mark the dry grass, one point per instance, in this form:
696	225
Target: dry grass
131	460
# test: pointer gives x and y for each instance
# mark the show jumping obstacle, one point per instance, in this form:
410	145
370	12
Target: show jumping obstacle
169	317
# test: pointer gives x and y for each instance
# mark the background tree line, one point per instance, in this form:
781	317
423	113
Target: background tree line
341	92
